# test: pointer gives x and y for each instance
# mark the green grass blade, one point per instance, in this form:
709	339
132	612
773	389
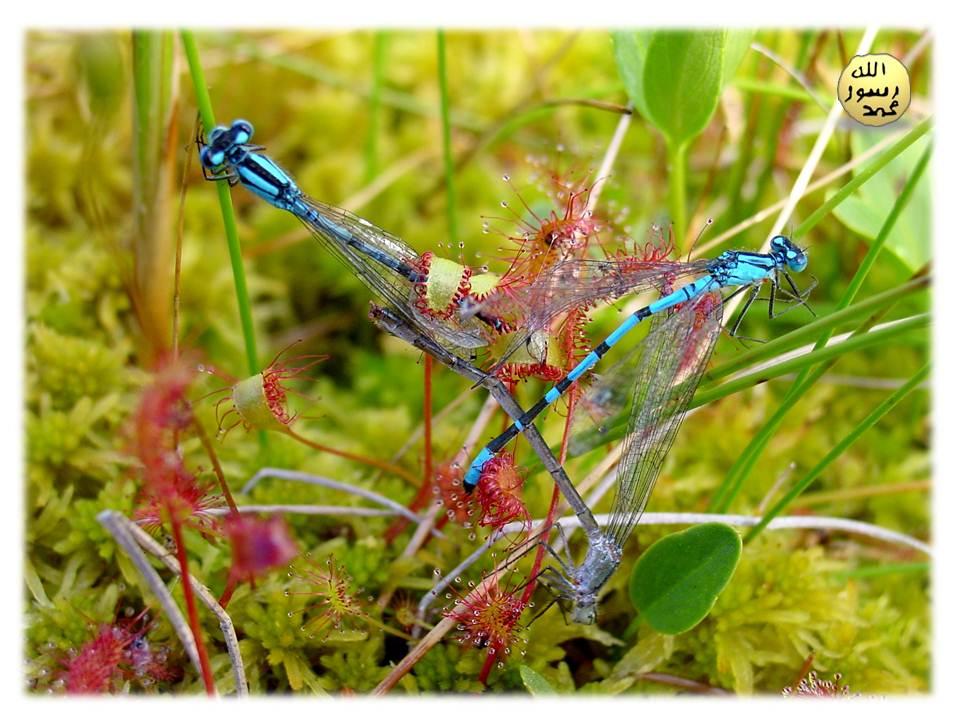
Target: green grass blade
814	329
244	306
155	156
870	571
760	87
875	166
769	127
855	343
830	352
375	108
447	144
744	464
840	448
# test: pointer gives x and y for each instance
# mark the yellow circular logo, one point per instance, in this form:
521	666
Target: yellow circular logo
874	89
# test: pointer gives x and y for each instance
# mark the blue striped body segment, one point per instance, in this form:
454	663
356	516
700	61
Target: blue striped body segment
386	264
732	268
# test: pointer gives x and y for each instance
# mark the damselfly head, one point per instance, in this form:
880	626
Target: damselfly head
581	610
584	613
215	138
222	142
794	257
241	132
211	157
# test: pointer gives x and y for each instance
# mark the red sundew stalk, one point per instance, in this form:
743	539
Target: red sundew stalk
541	549
488	661
191	603
215	461
427	420
362	459
804	671
224	599
423	494
419	501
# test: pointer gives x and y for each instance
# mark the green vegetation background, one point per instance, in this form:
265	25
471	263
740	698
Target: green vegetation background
309	97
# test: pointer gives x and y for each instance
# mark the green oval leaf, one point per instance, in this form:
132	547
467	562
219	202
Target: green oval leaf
677	580
535	683
865	211
674	78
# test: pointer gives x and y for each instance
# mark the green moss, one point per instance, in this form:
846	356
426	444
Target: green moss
70	368
356	668
783	605
441	668
86	365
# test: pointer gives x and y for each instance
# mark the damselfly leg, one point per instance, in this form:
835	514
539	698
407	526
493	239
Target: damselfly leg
794	297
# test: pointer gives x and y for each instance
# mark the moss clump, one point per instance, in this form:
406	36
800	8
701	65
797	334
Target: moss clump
86	365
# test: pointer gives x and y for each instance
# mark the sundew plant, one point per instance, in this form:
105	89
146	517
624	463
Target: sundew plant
282	288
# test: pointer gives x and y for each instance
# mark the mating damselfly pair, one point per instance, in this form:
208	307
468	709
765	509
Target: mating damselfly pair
439	299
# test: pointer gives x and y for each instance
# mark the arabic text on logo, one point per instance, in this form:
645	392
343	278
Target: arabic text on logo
874	89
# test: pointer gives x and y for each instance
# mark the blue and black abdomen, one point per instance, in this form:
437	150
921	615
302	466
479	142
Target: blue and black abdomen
263	177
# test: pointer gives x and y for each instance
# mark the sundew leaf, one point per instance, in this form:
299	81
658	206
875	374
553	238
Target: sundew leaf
535	683
677	580
865	211
674	78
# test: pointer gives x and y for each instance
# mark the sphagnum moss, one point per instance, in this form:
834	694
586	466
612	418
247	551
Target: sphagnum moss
82	379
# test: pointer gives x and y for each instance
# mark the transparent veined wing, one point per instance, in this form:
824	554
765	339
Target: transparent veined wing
384	281
674	357
574	283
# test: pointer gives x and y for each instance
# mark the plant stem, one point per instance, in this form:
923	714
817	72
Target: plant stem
423	494
374	110
154	159
215	461
874	152
295	476
447	143
206	597
427	419
841	447
921	129
856	341
813	329
858	493
678	194
228	591
178	261
363	459
192	616
244	306
118	527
